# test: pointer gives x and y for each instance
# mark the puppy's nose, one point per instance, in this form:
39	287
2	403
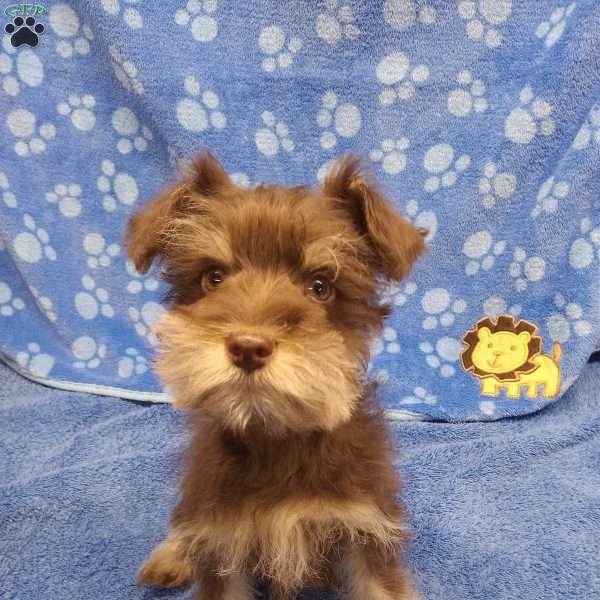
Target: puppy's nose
249	352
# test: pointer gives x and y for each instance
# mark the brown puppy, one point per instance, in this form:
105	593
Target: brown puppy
274	296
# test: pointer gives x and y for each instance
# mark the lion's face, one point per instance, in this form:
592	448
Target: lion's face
500	352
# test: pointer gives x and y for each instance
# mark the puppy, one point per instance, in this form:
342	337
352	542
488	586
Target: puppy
274	292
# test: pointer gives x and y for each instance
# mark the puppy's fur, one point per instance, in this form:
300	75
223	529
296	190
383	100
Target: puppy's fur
290	475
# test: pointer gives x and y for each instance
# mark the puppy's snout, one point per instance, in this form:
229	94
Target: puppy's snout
249	352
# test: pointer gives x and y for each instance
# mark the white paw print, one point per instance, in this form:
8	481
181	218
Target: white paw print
526	270
29	71
240	179
440	161
398	294
35	361
482	252
551	30
271	42
7	196
144	320
441	308
131	17
99	253
268	139
443	356
31	246
420	396
65	23
199	111
9	303
583	249
496	305
483	17
487	407
23	124
67	197
126	124
336	23
134	362
140	282
93	301
549	195
392	71
496	186
125	71
116	186
533	115
387	342
589	131
44	303
403	14
344	120
88	352
79	108
468	97
391	155
197	16
425	219
567	317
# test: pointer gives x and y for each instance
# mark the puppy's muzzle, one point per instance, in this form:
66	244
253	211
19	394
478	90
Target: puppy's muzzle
249	352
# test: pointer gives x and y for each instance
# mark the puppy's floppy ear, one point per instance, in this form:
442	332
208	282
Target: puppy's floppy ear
394	241
145	236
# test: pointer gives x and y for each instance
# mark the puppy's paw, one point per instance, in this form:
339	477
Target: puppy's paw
165	567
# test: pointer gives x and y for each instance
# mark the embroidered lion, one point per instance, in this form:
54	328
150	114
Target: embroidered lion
507	354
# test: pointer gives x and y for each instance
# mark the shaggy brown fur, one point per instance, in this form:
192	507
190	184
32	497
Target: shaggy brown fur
289	476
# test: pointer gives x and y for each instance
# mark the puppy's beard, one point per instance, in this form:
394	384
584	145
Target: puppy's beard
305	386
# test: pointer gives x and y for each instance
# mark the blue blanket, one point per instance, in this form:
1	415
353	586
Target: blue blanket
480	119
501	510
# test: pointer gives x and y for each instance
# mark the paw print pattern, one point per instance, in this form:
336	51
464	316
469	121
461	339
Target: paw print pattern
33	245
24	31
35	361
144	319
88	352
80	110
441	308
197	16
67	197
93	301
140	282
481	251
66	25
440	161
131	17
399	79
420	396
590	130
29	70
23	125
586	248
9	303
338	120
483	17
240	179
496	305
99	254
125	71
7	196
271	42
551	30
391	154
468	97
425	219
532	116
45	304
495	186
398	294
274	135
549	195
198	111
487	407
132	363
567	319
126	124
403	14
526	270
337	23
443	356
387	342
119	187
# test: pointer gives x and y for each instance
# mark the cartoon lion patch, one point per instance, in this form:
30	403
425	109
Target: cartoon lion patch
508	354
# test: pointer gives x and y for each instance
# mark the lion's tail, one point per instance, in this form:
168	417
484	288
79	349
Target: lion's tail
556	352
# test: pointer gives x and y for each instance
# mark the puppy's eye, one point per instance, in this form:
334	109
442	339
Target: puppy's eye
213	278
320	289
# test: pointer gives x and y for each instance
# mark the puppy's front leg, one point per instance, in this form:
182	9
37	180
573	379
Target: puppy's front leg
224	587
168	564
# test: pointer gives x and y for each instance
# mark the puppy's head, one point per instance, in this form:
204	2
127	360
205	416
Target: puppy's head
273	290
